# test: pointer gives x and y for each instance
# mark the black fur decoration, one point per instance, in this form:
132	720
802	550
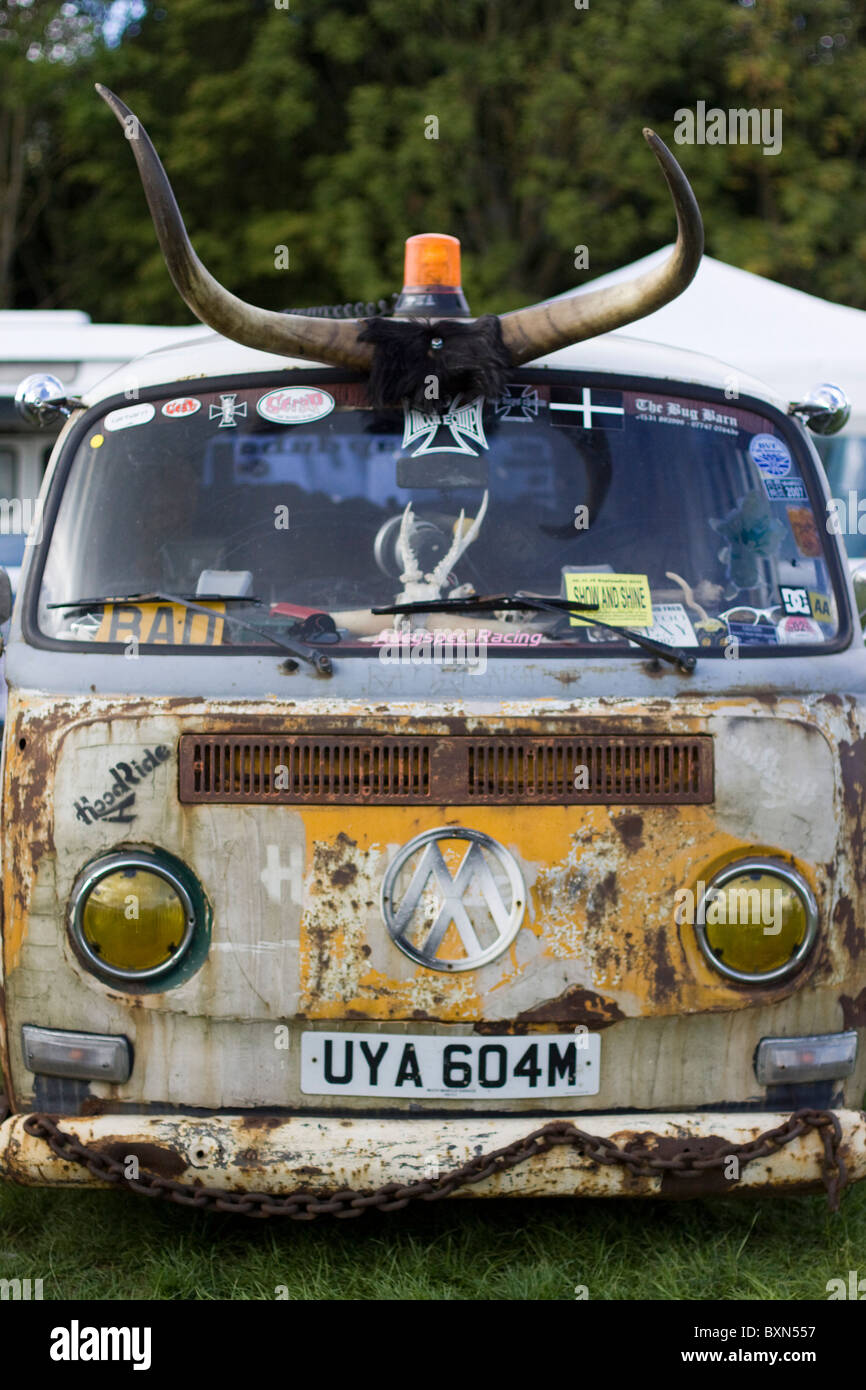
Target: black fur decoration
469	358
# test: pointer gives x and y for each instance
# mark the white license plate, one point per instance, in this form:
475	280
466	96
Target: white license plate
411	1065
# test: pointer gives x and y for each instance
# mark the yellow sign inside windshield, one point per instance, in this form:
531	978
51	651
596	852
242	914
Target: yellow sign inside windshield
623	599
162	624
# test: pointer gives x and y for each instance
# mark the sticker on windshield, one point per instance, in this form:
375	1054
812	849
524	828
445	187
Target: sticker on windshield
772	455
623	599
785	489
228	412
755	634
795	600
128	416
795	629
455	431
802	523
586	408
295	405
161	624
180	407
805	603
518	404
671	623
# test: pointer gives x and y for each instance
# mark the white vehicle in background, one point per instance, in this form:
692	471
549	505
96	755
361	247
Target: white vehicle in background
63	343
790	340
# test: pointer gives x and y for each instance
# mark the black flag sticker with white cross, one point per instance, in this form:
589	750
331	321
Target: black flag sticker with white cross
586	408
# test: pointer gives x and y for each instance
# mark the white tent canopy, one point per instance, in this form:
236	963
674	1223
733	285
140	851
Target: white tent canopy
788	339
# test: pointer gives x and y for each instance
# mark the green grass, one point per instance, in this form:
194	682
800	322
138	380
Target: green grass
95	1245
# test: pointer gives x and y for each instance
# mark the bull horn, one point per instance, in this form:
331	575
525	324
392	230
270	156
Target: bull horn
293	335
542	328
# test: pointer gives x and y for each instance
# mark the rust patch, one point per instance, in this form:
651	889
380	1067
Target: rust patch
575	1005
603	895
711	1182
845	922
852	762
629	828
156	1158
344	875
249	1158
854	1009
666	975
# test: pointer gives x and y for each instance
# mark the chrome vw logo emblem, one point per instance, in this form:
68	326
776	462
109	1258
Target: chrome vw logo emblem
484	900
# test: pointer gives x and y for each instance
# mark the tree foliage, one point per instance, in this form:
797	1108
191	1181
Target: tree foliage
309	126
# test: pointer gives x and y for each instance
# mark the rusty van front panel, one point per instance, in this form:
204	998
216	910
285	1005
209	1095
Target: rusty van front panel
293	893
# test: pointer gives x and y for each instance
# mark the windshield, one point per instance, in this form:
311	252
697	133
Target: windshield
301	509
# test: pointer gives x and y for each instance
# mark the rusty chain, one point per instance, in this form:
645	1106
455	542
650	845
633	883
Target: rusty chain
642	1160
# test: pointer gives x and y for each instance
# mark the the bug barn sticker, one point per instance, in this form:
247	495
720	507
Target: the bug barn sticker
181	407
686	414
116	803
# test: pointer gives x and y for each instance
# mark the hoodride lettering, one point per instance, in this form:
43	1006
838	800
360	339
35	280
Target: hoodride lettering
116	803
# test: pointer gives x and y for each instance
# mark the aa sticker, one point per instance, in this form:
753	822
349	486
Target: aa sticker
821	610
623	599
161	624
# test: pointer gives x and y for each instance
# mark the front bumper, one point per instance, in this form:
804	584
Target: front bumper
277	1155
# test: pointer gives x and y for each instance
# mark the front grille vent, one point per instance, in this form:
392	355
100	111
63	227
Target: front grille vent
513	770
599	770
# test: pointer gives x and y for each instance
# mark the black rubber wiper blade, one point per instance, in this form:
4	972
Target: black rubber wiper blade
485	603
155	598
318	660
686	661
477	603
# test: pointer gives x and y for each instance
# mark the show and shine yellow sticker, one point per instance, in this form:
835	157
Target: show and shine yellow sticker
162	624
623	599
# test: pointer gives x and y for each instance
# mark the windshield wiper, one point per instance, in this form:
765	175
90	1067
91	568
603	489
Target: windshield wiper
490	603
318	660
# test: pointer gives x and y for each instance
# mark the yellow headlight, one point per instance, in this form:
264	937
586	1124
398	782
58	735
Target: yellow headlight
757	921
133	917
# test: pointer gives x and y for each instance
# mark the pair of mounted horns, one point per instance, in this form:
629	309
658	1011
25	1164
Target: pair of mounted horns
527	333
